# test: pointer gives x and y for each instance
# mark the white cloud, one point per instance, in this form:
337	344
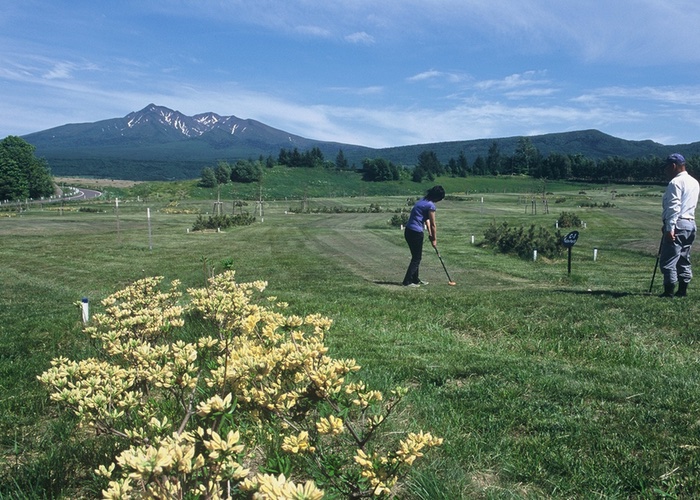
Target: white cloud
65	70
436	75
523	94
426	75
513	81
360	37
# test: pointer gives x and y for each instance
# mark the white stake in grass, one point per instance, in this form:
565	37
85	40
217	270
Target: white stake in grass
84	305
116	211
150	239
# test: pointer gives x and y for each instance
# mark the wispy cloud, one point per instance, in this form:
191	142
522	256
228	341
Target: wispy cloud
680	95
518	80
528	93
64	70
434	75
360	37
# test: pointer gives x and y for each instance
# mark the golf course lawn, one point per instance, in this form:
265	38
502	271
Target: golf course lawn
542	383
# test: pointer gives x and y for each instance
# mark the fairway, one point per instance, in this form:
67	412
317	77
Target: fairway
542	383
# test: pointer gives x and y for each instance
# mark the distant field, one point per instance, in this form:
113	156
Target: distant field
281	183
96	183
543	384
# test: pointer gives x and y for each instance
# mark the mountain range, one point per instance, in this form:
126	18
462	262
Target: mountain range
157	143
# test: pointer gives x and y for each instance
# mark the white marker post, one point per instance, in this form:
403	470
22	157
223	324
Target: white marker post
116	211
150	239
85	309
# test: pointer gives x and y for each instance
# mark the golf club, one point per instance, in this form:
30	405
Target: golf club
449	280
658	256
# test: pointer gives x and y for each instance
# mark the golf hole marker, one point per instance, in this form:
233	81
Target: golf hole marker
569	241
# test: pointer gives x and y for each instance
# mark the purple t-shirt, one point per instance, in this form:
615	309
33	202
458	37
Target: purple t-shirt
419	214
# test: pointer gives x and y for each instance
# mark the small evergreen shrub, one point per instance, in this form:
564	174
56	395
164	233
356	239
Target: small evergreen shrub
374	208
569	219
605	204
398	220
222	221
522	242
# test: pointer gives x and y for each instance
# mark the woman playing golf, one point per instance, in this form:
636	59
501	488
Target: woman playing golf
422	215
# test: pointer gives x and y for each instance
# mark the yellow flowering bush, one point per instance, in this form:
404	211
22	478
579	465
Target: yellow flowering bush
207	389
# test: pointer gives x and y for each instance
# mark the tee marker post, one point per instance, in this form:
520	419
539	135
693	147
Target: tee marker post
569	241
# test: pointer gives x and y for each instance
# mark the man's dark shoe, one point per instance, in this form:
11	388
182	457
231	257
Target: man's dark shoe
682	289
668	291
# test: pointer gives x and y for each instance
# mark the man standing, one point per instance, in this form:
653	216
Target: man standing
679	202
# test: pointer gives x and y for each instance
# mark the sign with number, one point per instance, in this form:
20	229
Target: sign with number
570	239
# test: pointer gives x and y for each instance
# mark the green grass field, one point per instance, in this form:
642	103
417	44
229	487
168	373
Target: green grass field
543	384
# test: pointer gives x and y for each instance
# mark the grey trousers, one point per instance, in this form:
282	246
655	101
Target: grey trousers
674	260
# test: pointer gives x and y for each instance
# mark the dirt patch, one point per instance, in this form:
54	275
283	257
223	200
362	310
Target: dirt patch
95	183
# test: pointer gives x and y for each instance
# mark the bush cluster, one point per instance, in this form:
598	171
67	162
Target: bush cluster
569	219
605	204
373	208
522	242
217	393
222	221
399	220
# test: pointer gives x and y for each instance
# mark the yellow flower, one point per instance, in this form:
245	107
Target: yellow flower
363	460
331	425
118	490
298	443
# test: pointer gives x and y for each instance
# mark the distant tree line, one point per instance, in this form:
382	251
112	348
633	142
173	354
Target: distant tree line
22	175
312	158
525	160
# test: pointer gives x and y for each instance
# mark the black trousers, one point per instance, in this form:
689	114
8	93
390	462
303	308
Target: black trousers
415	244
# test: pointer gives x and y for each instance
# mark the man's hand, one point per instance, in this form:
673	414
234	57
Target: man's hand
671	235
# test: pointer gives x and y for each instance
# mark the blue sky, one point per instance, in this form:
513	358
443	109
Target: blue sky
376	73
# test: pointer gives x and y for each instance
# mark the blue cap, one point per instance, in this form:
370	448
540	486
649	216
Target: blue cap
676	158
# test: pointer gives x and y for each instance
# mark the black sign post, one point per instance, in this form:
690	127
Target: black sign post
569	241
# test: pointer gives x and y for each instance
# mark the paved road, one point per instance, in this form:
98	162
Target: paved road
85	194
80	194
